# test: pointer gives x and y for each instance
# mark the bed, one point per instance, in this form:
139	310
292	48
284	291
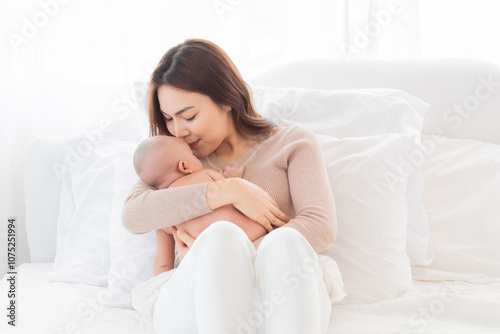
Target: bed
412	150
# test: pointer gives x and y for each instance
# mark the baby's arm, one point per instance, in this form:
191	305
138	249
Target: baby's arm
165	252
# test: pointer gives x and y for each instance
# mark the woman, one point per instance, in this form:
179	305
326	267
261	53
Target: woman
224	283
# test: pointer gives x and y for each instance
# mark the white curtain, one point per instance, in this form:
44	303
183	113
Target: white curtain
381	29
65	65
460	28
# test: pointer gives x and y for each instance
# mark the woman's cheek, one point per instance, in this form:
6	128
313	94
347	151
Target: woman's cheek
170	128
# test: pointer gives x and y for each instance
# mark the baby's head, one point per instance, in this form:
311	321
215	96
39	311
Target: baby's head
160	160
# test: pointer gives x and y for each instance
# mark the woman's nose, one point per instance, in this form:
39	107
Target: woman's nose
180	130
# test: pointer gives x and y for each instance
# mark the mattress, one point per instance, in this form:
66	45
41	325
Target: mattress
432	307
56	307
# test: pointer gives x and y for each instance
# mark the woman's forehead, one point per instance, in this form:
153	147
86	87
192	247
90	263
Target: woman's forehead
173	100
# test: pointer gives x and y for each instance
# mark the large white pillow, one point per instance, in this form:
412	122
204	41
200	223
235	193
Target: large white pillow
462	198
359	113
132	255
371	215
43	160
82	251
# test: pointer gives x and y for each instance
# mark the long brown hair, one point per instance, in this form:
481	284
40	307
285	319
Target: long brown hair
202	67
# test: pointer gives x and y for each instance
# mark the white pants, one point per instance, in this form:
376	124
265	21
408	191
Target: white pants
225	286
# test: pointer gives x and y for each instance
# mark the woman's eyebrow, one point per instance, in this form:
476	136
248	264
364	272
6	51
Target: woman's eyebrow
180	111
183	110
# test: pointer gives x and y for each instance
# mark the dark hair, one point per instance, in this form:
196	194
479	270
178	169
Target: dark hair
202	67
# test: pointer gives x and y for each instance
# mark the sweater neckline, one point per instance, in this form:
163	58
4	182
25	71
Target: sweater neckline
241	161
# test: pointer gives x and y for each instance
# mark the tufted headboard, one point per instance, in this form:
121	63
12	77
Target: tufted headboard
464	94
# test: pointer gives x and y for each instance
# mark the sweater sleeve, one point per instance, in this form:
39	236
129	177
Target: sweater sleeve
147	209
312	197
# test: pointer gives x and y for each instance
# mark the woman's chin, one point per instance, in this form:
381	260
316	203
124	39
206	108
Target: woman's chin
199	154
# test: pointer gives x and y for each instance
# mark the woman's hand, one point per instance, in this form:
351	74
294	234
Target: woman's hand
249	199
183	242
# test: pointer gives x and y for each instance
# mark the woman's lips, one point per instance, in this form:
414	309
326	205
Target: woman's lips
194	144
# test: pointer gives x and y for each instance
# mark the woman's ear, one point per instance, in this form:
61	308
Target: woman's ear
226	108
184	168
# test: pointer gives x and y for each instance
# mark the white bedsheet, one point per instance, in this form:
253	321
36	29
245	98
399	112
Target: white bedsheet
434	307
56	307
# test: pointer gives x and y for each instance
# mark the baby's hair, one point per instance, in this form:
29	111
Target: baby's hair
144	149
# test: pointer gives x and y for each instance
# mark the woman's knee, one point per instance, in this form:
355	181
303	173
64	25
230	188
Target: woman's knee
224	234
224	229
284	238
286	243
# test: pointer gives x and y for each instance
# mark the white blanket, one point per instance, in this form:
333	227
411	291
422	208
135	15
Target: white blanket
434	307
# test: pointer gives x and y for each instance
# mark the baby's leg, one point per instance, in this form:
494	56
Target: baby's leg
228	212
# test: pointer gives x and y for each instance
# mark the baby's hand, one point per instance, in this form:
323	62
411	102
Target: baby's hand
168	230
229	171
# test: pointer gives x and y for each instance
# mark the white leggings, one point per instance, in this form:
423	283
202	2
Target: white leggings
224	286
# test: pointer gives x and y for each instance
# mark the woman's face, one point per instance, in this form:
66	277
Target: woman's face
195	118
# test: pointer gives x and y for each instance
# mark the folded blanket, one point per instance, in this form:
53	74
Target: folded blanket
145	294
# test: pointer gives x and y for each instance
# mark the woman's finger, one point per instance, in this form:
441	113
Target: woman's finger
185	237
180	246
178	242
266	223
274	221
279	217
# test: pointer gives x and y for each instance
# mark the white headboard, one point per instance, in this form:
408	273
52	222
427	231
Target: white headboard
464	94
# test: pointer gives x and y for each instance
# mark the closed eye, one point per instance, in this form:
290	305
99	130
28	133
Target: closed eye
187	119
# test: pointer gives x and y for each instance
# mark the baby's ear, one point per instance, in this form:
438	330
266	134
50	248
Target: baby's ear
184	168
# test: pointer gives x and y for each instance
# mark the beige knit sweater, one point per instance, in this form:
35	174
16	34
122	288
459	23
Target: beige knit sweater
288	165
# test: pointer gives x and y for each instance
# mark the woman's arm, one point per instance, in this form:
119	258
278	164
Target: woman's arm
147	209
310	190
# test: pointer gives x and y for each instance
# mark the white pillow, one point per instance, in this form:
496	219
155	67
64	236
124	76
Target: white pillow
359	113
82	252
462	199
371	215
43	158
132	255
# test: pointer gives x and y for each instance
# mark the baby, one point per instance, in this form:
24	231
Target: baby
165	162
